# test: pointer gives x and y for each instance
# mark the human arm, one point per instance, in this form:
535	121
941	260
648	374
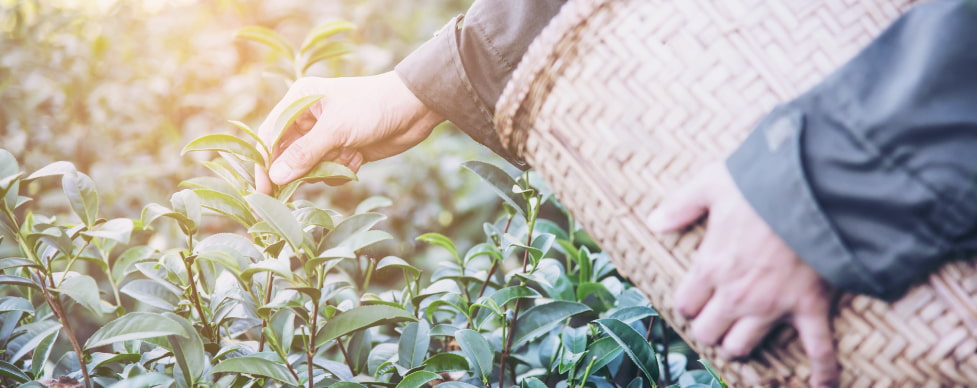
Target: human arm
457	75
869	177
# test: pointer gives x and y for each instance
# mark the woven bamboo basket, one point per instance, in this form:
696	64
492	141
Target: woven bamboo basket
618	102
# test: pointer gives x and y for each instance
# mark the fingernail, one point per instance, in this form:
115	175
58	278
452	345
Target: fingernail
657	221
280	173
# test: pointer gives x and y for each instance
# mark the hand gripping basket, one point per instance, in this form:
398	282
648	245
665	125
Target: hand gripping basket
618	102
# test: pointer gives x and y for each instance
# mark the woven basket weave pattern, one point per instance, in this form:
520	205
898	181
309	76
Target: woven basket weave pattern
619	102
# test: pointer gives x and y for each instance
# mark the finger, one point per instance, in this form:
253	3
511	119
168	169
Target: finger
300	127
814	331
698	285
303	154
715	320
683	207
262	183
745	335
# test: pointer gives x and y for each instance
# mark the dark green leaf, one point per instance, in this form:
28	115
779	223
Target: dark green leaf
42	352
633	313
152	379
255	366
634	344
413	344
18	281
346	384
509	294
105	359
455	384
542	318
478	351
266	37
81	193
30	338
418	379
16	262
278	217
636	383
596	296
9	370
532	382
601	352
500	182
135	325
445	362
359	318
225	143
83	290
712	371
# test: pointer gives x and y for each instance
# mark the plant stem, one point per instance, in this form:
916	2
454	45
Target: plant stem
310	353
72	260
515	314
342	348
195	297
668	370
264	322
59	311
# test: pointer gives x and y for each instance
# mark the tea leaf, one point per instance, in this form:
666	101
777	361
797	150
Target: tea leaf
81	193
478	351
151	293
116	229
253	135
188	350
413	345
634	344
10	370
541	318
372	203
290	113
267	37
602	351
16	262
255	366
500	182
227	205
42	352
83	290
225	143
359	318
324	52
152	379
15	303
54	169
278	217
324	31
18	281
135	325
418	379
350	226
441	241
445	362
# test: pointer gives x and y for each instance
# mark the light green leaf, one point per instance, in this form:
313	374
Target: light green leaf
418	379
252	134
455	384
42	352
532	382
413	344
129	257
540	319
278	217
290	113
633	313
634	344
16	262
441	241
226	143
15	303
54	169
267	37
396	262
145	380
188	350
155	211
332	172
135	325
324	31
116	229
81	193
313	216
275	266
83	290
9	370
227	205
346	384
364	239
509	294
186	203
350	226
359	318
326	51
373	203
445	362
255	366
35	333
478	351
500	182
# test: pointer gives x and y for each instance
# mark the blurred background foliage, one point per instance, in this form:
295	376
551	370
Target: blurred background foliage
119	86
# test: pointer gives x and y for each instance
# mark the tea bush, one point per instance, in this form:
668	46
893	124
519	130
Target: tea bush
221	286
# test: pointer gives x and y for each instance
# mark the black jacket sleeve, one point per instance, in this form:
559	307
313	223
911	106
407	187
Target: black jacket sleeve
871	176
460	73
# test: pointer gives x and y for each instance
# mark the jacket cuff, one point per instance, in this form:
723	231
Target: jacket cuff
436	75
768	170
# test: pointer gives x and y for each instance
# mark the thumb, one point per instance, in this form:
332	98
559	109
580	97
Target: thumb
300	156
682	207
